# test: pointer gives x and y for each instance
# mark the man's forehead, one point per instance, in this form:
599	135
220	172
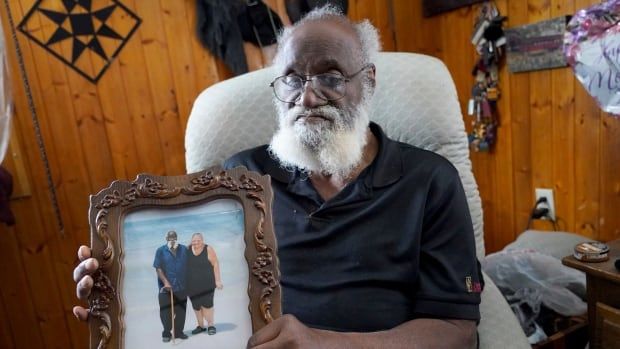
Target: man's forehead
317	62
321	43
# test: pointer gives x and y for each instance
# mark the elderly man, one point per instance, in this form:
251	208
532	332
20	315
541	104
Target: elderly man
170	264
375	241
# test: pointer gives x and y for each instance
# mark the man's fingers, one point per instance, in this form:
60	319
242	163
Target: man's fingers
265	334
86	267
80	313
83	253
84	287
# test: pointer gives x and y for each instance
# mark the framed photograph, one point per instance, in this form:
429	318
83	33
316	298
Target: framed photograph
189	261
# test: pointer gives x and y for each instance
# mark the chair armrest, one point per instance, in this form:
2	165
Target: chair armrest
499	327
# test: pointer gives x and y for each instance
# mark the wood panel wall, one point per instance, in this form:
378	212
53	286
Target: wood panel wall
551	135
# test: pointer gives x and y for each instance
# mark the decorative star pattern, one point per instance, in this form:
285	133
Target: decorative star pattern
85	34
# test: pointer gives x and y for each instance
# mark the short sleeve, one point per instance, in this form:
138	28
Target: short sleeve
450	280
158	259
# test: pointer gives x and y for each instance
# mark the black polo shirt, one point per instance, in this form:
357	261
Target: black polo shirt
394	245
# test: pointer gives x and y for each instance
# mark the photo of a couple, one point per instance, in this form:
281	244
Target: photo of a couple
179	259
184	273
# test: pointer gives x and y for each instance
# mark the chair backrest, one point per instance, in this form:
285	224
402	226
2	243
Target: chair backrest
415	102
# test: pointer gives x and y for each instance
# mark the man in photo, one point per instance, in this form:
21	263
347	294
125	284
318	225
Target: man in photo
171	266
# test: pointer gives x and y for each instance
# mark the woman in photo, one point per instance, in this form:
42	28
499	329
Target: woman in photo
203	277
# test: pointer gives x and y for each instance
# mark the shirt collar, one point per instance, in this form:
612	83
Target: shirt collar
387	167
273	168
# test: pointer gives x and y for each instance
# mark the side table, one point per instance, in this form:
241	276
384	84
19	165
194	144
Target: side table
603	292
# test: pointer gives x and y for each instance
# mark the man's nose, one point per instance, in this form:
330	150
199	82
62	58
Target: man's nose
309	98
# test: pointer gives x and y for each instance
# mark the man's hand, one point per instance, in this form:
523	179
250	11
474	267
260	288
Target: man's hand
81	275
167	287
287	332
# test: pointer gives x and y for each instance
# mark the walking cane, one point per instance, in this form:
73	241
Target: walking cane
172	313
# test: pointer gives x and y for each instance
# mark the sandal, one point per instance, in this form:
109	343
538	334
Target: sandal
198	329
211	330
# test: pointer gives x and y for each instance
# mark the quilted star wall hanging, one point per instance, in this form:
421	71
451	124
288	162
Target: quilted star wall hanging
85	34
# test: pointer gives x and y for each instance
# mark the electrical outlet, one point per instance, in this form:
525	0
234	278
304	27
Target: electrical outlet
548	194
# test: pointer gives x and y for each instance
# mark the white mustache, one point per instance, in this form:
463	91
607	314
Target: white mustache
326	112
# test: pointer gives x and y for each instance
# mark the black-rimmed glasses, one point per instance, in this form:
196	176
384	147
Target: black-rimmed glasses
326	86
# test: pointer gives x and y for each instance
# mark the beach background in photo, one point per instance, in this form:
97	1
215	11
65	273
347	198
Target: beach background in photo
221	223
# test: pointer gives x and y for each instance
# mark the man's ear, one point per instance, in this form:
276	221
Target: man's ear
371	75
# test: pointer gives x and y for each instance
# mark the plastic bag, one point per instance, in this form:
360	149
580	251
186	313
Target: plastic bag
5	100
562	288
525	303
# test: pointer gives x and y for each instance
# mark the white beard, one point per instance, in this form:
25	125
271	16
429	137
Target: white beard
328	147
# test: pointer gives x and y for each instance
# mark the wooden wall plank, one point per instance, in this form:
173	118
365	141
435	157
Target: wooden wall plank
162	86
563	114
127	108
72	188
413	32
51	75
384	20
118	123
179	35
6	337
377	12
610	178
504	231
131	74
22	115
541	123
587	157
206	66
38	204
14	162
362	9
94	140
520	118
37	251
16	295
90	142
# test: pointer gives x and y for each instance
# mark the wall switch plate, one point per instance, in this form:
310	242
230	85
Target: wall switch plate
547	193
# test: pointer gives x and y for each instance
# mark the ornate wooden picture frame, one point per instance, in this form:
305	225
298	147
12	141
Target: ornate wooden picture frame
126	250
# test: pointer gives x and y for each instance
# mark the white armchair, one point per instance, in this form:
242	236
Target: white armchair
415	102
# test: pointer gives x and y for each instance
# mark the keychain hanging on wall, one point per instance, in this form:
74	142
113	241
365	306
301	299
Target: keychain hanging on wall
488	38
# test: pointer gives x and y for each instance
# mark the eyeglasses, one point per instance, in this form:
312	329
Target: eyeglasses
326	86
